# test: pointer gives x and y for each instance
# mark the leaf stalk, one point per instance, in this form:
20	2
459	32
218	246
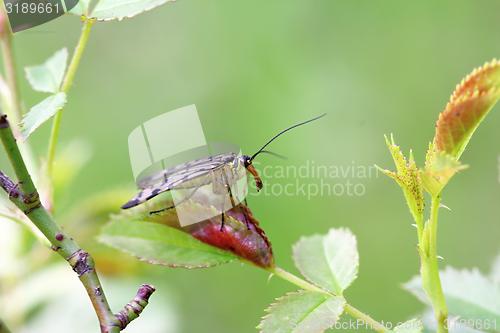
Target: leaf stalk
65	86
429	269
349	309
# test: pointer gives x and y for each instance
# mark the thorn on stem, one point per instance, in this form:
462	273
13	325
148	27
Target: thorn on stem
32	200
81	262
444	206
55	248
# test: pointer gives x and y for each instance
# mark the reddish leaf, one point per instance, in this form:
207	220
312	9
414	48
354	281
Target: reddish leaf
242	237
471	101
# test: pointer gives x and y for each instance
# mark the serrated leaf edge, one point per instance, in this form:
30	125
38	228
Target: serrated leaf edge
26	134
92	15
231	256
277	301
27	70
302	272
461	95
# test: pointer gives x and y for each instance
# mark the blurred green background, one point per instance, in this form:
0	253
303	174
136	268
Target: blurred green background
253	68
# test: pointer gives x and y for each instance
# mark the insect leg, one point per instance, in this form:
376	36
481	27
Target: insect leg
245	216
228	186
234	204
222	218
161	210
246	219
179	203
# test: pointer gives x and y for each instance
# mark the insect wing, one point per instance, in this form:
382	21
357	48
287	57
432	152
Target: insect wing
176	176
188	170
218	192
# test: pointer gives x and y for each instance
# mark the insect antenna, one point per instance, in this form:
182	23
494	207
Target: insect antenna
272	153
261	150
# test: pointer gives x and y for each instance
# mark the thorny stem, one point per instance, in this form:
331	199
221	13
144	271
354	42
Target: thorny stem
429	269
351	310
66	84
25	196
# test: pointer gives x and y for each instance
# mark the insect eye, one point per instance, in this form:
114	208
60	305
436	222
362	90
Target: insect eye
247	161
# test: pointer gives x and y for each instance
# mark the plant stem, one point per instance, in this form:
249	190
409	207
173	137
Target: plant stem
14	100
25	196
431	281
355	313
3	327
10	65
65	86
351	310
285	275
419	222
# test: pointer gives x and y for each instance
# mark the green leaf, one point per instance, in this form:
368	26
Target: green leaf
469	104
48	76
330	261
163	245
410	326
107	10
440	167
407	176
242	233
468	293
42	112
302	312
